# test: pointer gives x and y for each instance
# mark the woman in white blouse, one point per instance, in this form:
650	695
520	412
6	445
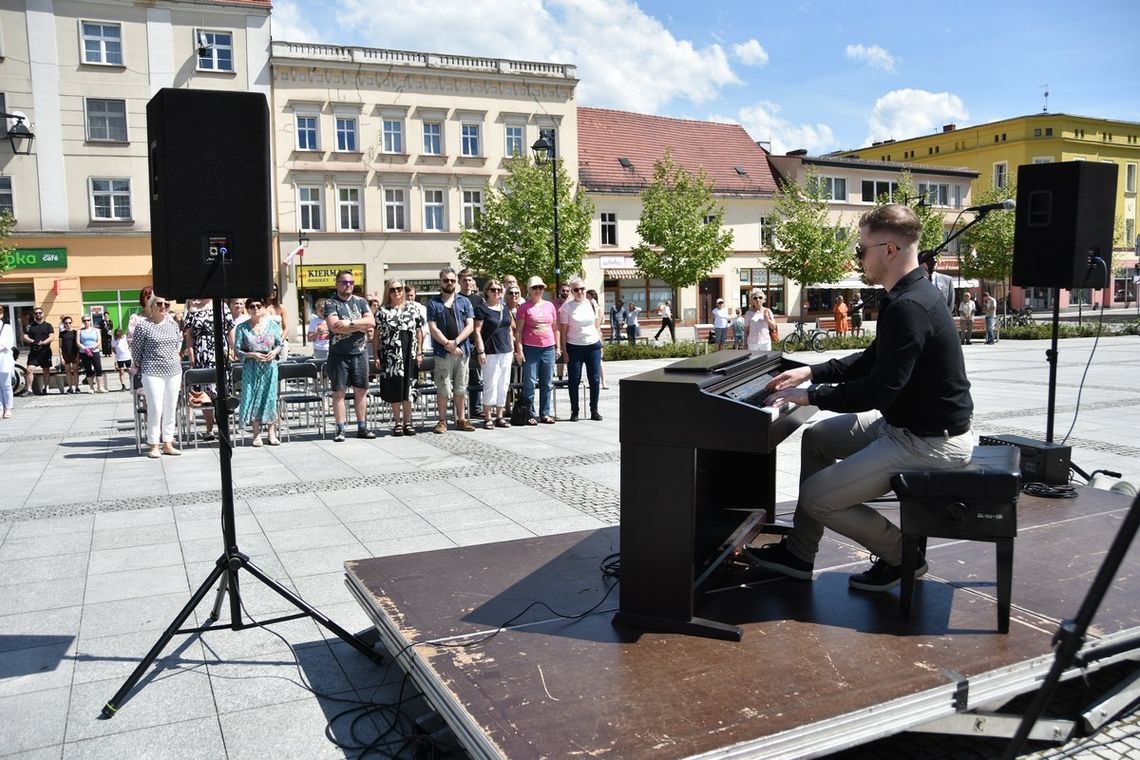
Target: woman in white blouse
758	323
580	322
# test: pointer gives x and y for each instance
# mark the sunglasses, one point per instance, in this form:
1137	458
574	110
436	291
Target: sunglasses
494	290
757	298
255	305
85	321
538	287
861	250
394	290
578	290
345	282
162	304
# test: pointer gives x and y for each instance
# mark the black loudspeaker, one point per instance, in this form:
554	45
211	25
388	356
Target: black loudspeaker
210	211
1065	216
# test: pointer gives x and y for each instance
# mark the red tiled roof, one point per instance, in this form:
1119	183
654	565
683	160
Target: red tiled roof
605	136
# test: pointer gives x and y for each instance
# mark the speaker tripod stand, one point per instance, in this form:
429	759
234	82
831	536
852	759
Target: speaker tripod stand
226	569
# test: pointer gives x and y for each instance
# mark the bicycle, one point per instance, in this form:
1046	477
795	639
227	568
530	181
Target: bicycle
1018	318
19	384
802	337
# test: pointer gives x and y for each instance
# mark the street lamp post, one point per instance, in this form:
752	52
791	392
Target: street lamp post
545	145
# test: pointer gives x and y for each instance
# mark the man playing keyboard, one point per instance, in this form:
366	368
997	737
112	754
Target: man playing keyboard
905	404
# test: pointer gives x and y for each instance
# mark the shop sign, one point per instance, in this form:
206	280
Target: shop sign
318	276
37	258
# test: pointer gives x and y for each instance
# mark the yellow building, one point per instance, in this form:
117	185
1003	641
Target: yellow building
996	149
81	73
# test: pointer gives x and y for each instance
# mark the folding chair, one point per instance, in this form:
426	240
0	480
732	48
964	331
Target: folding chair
302	392
424	390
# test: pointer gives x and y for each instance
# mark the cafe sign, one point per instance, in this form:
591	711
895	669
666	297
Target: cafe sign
323	276
37	258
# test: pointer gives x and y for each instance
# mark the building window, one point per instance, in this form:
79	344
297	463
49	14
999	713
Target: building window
345	135
1001	174
348	208
873	189
769	282
1048	131
393	136
472	207
767	234
307	135
309	208
433	210
935	194
394	210
1130	178
106	120
433	141
7	200
834	188
609	228
102	43
215	50
957	196
515	145
110	199
471	140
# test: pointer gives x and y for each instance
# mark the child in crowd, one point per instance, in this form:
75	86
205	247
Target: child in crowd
122	357
737	330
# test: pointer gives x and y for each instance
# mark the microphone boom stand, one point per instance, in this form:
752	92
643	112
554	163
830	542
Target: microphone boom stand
232	559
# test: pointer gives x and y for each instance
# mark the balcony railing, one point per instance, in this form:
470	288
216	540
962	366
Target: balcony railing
307	51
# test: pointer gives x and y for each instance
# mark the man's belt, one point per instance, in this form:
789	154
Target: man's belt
944	433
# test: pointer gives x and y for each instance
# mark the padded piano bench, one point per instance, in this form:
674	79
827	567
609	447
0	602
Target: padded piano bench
977	502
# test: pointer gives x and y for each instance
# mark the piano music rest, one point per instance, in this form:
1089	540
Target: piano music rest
698	479
977	502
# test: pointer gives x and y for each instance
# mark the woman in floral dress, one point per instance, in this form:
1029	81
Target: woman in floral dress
199	324
399	348
258	343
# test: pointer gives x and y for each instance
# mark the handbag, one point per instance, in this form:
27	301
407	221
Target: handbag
198	398
520	411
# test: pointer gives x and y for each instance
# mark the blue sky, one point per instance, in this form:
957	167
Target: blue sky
810	74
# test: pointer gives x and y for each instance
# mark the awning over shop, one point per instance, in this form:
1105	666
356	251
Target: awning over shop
847	283
624	274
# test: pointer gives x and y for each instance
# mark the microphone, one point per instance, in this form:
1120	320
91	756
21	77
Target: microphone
1007	205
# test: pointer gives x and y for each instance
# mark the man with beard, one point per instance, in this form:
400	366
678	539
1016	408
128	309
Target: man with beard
451	320
38	336
906	404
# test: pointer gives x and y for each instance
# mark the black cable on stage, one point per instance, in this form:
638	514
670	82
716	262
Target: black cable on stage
1046	491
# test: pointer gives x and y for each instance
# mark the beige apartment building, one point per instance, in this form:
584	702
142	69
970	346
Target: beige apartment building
383	156
82	72
852	185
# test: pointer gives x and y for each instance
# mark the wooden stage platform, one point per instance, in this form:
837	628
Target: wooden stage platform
820	668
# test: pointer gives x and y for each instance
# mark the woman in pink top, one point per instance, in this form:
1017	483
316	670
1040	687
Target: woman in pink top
536	346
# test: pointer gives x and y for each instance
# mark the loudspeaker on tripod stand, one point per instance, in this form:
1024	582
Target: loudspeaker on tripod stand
1065	217
209	193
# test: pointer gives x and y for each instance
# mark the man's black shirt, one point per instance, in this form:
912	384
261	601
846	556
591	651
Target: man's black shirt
913	372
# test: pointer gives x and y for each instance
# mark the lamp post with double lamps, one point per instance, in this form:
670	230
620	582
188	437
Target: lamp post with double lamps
545	146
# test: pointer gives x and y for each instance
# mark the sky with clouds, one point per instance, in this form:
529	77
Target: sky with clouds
810	74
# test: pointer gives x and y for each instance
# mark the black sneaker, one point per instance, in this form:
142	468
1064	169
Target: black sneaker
365	433
777	558
595	416
884	577
339	437
573	416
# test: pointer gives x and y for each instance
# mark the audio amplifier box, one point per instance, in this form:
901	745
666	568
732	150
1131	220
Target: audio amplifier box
1040	462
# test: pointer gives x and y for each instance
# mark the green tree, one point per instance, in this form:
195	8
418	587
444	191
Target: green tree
987	247
6	248
680	227
515	232
806	246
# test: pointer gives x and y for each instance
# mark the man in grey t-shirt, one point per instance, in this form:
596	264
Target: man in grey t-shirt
349	319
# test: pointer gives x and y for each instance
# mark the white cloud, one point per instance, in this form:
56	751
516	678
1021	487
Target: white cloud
751	53
626	59
874	56
762	121
901	114
288	23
